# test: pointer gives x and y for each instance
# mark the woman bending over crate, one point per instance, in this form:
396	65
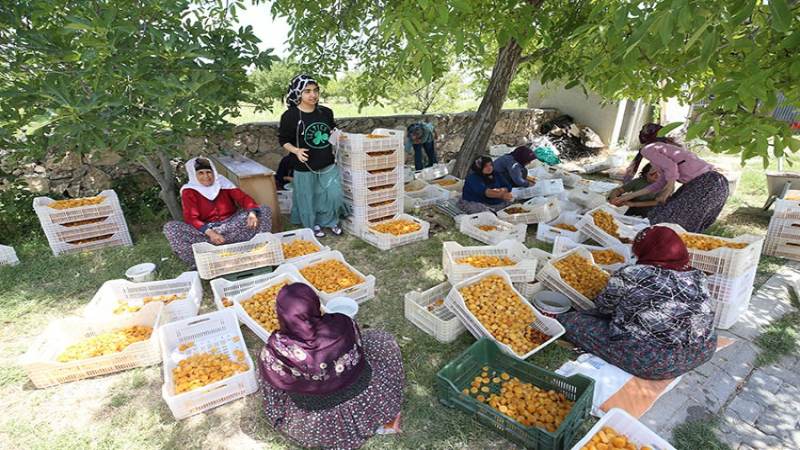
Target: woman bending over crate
215	211
654	318
697	203
483	191
325	384
307	130
510	168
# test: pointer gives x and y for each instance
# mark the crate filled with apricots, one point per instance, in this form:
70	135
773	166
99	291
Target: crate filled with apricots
206	363
576	275
331	276
489	306
528	405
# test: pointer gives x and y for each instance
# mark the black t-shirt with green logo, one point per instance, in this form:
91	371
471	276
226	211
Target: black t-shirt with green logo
311	131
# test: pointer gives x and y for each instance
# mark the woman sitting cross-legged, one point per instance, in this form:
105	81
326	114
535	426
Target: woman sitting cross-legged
325	384
215	211
483	191
654	319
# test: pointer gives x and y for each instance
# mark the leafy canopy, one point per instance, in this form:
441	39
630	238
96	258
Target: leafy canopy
96	74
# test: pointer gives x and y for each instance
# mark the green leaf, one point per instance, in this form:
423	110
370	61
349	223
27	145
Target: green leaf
742	11
791	41
462	5
709	46
668	127
427	69
696	36
665	29
571	84
781	16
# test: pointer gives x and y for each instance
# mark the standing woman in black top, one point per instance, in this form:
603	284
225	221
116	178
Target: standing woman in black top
307	130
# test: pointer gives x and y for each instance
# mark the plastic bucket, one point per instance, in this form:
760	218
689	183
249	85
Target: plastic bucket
551	303
342	305
141	272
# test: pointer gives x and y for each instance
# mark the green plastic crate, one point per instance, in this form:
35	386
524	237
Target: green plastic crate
459	373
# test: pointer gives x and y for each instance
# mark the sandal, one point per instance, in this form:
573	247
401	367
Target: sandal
318	231
337	230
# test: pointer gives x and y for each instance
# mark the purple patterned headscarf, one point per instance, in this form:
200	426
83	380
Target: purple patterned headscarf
311	353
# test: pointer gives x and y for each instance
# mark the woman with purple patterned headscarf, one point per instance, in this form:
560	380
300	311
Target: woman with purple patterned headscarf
697	203
325	384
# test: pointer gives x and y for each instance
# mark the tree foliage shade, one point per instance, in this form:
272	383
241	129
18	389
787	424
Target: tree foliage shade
97	74
735	56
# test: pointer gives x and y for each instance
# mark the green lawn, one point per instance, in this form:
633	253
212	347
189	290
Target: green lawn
125	410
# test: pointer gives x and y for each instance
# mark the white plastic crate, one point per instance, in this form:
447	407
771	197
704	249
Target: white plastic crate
782	248
364	196
304	234
438	321
727	262
361	179
120	238
60	234
563	245
444	183
627	232
40	363
408	174
787	209
528	290
455	302
373	159
569	179
362	144
49	216
587	199
108	297
360	292
428	196
541	256
285	274
538	210
215	260
218	331
730	297
285	201
414	186
375	211
8	255
542	188
435	171
222	288
551	278
387	241
469	226
523	271
626	425
547	232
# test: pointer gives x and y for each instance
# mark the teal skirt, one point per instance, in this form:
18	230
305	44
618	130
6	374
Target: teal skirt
317	198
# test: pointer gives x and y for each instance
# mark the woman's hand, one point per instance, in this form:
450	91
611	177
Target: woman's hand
215	237
663	197
301	153
252	220
508	196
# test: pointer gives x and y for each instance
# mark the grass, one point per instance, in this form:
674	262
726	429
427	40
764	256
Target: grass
781	337
248	113
696	435
125	410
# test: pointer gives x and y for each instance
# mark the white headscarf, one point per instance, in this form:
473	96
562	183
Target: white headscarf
209	192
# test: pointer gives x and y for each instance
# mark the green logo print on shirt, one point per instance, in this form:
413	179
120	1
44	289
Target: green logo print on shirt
317	135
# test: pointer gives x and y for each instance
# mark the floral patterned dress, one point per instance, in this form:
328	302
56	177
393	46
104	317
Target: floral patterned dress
652	322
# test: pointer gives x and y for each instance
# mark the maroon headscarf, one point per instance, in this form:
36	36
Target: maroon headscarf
311	353
523	155
661	247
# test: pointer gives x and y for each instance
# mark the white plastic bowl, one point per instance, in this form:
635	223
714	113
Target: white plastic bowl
551	303
342	305
141	272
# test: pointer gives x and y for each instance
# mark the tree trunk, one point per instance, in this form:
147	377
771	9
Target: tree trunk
477	138
166	180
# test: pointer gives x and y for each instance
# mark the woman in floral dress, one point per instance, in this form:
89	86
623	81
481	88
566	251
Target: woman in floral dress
326	384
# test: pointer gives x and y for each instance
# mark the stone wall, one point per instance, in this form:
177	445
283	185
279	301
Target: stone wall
76	175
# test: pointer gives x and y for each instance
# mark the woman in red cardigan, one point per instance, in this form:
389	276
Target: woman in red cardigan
215	211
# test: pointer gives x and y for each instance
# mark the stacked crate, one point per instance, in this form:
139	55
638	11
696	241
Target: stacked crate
82	224
371	166
783	235
372	174
731	273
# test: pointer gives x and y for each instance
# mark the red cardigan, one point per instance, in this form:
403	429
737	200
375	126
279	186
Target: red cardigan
198	211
